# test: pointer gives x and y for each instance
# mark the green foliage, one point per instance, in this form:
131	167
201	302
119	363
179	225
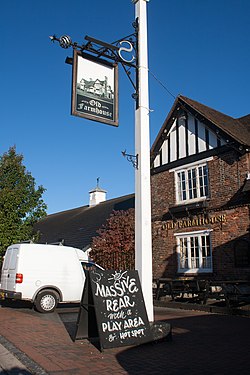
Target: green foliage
114	246
21	204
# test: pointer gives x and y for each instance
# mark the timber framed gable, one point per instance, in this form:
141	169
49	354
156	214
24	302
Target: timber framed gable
193	131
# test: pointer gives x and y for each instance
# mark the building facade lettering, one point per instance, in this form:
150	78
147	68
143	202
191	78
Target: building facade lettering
188	223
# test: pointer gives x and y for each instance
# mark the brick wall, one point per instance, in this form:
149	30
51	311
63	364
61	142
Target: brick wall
227	174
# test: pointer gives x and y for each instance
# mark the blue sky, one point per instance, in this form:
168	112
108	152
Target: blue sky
197	48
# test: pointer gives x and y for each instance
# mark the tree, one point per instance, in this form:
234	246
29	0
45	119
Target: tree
21	203
114	247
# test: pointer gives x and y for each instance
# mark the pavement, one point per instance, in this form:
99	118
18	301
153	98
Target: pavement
10	364
203	343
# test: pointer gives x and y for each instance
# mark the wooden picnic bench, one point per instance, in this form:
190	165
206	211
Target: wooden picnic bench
236	291
232	291
181	287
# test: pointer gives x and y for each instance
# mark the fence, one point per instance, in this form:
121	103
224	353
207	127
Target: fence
116	260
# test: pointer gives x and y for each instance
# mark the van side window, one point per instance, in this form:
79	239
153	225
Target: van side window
13	259
7	259
10	259
88	266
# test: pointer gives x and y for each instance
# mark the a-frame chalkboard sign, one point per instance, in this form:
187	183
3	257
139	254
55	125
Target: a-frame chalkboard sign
113	309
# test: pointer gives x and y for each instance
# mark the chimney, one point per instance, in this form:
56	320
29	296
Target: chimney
97	195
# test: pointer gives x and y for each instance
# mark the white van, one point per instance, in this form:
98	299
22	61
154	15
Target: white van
44	274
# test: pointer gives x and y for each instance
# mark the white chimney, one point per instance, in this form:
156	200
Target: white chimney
97	195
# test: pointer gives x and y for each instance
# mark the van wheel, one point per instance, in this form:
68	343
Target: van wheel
46	301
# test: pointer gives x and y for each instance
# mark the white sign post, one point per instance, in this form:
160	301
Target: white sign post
143	235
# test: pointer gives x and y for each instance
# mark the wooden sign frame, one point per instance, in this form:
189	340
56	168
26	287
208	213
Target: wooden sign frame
94	89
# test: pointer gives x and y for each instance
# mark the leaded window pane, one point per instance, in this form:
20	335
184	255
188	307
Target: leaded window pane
195	252
192	183
183	253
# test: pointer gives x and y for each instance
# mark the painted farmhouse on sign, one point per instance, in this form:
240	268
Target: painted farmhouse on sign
200	185
96	87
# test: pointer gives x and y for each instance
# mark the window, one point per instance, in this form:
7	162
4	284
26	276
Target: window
10	259
90	266
194	252
192	183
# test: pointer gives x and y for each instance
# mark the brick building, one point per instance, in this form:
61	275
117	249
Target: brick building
201	194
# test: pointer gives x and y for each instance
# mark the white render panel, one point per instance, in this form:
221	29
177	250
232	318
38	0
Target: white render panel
164	152
157	161
212	140
201	136
182	142
173	155
169	146
191	135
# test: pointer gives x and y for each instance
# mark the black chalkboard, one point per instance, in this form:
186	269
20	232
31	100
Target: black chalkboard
119	308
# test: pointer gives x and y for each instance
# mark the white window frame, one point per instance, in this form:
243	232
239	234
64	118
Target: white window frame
195	263
185	169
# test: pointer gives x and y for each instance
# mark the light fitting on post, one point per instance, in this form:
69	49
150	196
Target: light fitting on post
131	158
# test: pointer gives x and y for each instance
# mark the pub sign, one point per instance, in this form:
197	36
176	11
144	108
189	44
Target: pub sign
113	309
95	89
